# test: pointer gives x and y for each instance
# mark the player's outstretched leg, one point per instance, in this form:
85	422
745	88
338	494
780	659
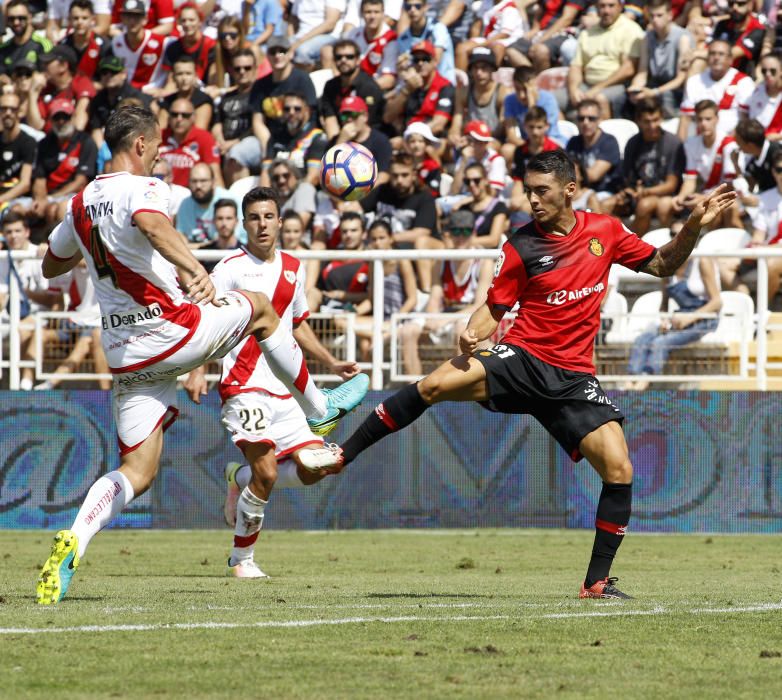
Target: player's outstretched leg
395	413
105	499
339	402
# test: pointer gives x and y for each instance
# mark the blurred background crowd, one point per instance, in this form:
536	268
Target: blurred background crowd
658	102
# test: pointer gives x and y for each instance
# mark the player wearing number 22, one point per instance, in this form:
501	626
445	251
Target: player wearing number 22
555	268
161	318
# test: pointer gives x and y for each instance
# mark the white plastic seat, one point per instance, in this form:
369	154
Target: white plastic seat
461	78
621	129
657	237
319	79
671	125
644	316
615	308
446	181
504	76
242	186
567	129
552	78
723	239
736	320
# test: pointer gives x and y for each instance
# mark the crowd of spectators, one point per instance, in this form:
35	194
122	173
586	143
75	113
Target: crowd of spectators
658	101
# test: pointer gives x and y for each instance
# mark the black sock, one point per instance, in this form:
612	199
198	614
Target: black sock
395	413
613	514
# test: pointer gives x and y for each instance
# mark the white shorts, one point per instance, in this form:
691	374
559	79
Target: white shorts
255	417
146	398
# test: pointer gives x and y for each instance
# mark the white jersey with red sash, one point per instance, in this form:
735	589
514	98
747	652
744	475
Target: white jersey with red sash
459	292
504	18
767	110
282	281
769	216
712	164
378	55
730	91
144	64
145	317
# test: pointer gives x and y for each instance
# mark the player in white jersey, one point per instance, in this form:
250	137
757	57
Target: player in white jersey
258	411
160	318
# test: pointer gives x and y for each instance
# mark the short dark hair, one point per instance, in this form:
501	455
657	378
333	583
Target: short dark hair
523	74
477	165
648	105
243	52
260	194
83	5
703	105
558	163
18	3
126	124
346	43
14	217
370	2
751	131
654	4
384	224
536	114
403	158
185	58
588	102
289	215
225	202
351	216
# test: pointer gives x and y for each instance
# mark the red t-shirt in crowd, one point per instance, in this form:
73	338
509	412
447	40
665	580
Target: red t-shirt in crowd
198	146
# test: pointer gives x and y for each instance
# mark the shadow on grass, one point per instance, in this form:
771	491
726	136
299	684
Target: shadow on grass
429	595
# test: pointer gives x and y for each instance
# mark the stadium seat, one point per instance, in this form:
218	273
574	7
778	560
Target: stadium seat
723	239
657	237
736	320
504	76
446	181
671	125
243	186
621	129
644	316
615	308
567	129
319	79
553	78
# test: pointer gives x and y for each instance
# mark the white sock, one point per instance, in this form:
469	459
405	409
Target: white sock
249	520
242	476
286	360
105	499
288	475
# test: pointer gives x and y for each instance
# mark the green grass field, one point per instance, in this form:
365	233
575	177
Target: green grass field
402	614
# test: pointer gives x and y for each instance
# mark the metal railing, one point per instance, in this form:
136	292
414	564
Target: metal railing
378	360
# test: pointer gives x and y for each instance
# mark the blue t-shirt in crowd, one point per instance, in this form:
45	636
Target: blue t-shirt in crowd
197	222
438	34
605	148
263	12
514	109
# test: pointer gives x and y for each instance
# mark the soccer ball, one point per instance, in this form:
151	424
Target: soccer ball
348	171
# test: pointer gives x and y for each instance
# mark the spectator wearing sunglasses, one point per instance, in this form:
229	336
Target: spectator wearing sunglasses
489	210
424	95
16	167
24	43
350	81
302	142
765	103
424	27
746	34
89	47
354	126
230	38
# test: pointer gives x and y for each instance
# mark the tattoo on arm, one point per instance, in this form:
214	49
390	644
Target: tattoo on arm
672	255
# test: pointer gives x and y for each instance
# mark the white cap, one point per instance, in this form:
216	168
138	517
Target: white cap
421	129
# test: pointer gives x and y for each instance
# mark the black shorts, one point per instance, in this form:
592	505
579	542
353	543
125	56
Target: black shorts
568	404
553	44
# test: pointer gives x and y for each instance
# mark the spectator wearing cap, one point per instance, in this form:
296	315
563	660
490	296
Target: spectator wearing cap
502	25
303	142
233	123
17	152
267	92
426	28
191	42
140	49
24	43
605	61
64	164
526	94
113	79
316	24
354	126
478	149
424	95
377	44
185	81
59	82
351	81
158	15
184	144
459	286
423	145
543	45
88	46
481	99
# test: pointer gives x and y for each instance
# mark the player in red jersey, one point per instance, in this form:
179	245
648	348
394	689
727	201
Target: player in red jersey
556	267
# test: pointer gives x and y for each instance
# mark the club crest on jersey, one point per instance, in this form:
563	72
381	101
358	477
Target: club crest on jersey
290	276
596	247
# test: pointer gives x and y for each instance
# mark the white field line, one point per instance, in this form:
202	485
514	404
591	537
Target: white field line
760	608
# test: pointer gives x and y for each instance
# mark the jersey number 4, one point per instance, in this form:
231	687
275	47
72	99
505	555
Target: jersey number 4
100	256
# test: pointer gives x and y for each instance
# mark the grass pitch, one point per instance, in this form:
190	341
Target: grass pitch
402	614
